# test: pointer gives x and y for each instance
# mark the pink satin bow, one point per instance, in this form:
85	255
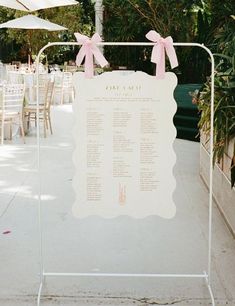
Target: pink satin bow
158	53
87	51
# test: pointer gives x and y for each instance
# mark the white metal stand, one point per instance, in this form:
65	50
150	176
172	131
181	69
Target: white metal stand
205	275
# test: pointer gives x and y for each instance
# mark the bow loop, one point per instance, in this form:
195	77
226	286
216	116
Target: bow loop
168	40
153	36
89	50
96	38
81	38
162	46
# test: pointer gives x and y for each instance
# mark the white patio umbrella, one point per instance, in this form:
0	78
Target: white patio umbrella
31	22
35	5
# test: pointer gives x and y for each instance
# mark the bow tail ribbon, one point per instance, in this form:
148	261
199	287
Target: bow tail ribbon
86	52
99	56
89	63
159	58
170	51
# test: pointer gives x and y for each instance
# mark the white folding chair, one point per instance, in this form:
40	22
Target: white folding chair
15	77
30	111
67	86
11	111
10	67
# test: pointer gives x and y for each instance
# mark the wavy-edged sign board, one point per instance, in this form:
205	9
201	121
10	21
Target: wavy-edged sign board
124	136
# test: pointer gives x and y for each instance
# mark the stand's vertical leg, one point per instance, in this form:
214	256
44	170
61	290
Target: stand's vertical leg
210	290
39	190
39	293
211	171
40	246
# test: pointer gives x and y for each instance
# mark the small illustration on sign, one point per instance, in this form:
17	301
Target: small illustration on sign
122	194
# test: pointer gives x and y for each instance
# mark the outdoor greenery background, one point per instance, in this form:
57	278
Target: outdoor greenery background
16	44
129	20
186	21
211	22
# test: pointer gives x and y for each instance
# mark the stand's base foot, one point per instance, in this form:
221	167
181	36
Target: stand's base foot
202	276
40	292
209	289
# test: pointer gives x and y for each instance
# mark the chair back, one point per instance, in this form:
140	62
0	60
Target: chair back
13	99
43	80
49	95
67	79
57	76
12	107
15	77
10	67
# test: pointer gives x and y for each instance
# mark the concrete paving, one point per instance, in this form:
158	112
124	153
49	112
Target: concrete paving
120	245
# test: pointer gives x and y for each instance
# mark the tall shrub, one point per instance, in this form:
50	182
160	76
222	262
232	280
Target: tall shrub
130	20
78	18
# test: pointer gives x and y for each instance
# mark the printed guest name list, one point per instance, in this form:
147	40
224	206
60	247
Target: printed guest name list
124	134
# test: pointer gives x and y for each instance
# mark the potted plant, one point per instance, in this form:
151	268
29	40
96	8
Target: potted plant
224	109
223	45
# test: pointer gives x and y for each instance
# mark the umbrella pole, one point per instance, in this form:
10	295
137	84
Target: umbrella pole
29	61
30	32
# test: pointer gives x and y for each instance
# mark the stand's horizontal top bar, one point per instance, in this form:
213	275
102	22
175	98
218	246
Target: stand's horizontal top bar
123	44
205	275
147	44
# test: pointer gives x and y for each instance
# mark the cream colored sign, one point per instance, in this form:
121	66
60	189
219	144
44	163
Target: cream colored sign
124	136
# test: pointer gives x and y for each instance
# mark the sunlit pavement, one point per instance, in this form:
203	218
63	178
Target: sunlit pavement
120	245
